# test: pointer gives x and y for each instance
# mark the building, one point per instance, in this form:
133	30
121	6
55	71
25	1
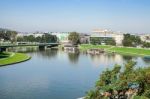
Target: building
145	37
84	38
62	36
104	34
38	34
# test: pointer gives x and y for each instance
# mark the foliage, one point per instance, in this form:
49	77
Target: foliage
146	44
131	40
4	55
95	40
74	37
100	40
116	82
110	42
8	35
46	38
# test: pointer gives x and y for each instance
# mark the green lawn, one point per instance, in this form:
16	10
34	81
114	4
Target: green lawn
85	47
16	58
133	51
121	50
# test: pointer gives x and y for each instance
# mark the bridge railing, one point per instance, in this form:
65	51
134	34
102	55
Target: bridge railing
5	43
26	44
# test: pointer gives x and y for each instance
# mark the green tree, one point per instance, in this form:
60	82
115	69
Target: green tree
20	39
48	38
74	37
95	40
2	34
110	42
131	40
146	44
120	81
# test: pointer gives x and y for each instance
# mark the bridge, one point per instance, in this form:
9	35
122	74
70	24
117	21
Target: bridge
41	45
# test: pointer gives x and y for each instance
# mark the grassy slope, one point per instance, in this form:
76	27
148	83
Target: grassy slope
16	58
121	50
133	51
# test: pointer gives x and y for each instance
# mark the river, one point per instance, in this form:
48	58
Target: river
56	74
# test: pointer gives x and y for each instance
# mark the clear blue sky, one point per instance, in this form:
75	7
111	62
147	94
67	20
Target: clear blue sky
75	15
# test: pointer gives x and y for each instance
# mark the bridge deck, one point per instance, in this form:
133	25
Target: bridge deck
40	44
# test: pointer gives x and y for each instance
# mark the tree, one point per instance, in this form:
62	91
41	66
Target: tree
116	81
131	40
2	34
20	39
95	40
74	37
48	38
13	36
146	44
110	42
8	35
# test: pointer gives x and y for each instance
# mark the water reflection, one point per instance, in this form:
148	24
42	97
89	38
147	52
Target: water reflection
73	57
127	58
23	49
146	61
106	59
47	53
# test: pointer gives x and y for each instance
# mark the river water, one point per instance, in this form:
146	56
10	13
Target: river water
56	74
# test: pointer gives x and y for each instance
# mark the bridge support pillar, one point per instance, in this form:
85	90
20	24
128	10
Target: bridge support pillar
41	47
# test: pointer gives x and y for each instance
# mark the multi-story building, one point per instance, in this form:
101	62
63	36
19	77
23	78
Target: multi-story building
104	34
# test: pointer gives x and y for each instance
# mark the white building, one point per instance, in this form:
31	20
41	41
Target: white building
145	37
103	33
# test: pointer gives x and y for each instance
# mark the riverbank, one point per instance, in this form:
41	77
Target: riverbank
115	49
14	58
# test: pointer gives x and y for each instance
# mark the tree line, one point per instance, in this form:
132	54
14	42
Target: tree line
134	41
45	38
8	35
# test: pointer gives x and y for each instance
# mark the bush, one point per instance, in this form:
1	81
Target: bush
147	93
131	79
146	44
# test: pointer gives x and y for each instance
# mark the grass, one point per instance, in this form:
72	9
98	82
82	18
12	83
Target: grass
85	47
133	51
121	50
15	58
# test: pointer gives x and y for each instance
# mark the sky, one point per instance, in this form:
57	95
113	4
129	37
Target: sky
132	16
